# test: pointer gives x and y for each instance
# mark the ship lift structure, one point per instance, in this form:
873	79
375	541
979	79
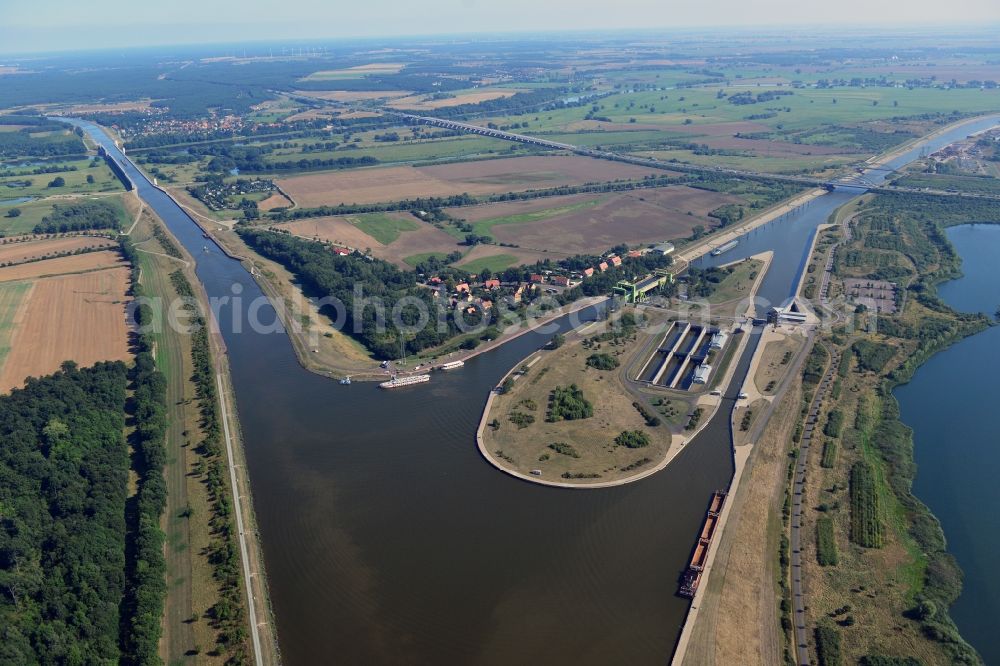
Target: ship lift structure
638	291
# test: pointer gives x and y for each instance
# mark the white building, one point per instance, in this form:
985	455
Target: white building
787	316
664	248
718	340
701	374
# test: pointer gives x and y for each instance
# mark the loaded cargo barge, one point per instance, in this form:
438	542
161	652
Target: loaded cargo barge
692	575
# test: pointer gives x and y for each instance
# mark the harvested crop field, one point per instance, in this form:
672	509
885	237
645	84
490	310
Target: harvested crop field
337	230
70	317
595	223
372	185
423	239
536	172
78	263
276	200
422	101
14	253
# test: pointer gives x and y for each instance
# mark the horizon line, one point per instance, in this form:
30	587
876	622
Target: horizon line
500	35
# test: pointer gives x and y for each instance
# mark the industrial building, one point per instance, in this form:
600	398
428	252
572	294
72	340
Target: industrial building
681	359
636	292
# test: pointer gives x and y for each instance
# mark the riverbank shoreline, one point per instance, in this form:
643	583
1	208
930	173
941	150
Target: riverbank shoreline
704	245
942	487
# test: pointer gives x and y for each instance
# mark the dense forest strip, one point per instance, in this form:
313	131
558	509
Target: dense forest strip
63	474
146	567
81	563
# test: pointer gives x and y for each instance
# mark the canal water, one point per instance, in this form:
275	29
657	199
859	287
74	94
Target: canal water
388	539
951	404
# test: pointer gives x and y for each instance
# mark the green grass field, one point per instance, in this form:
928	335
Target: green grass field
737	284
483	227
382	227
175	173
75	182
826	543
804	109
494	263
416	151
11	294
415	259
33	212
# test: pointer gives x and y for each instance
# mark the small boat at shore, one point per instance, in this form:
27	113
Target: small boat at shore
452	365
396	382
346	381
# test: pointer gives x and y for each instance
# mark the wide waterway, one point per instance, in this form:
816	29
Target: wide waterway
951	404
388	539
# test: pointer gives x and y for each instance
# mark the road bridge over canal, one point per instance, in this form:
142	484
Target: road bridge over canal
862	180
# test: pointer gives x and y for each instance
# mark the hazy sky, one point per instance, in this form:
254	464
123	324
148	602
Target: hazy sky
41	25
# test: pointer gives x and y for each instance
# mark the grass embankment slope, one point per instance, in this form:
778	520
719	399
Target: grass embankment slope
737	622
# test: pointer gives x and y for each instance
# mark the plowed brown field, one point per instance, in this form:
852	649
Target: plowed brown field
642	216
73	264
372	185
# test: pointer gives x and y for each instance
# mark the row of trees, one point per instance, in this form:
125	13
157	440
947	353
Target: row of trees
146	567
228	612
